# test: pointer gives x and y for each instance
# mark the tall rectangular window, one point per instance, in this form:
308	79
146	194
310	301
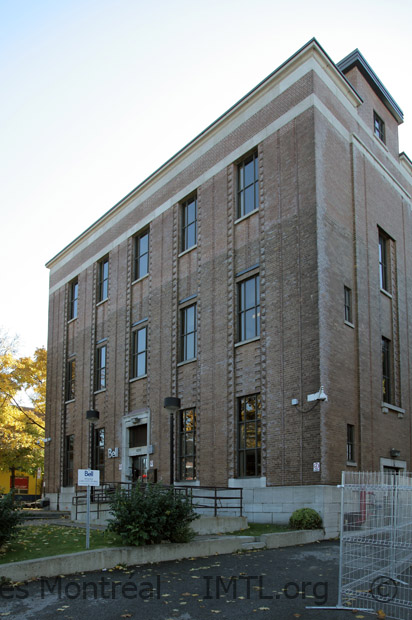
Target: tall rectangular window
103	280
68	461
348	304
73	299
384	261
101	361
248	185
141	256
139	353
70	379
187	445
189	223
386	370
188	330
350	443
98	452
249	436
378	127
249	308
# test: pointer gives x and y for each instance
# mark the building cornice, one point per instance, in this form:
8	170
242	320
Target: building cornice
310	51
405	162
355	59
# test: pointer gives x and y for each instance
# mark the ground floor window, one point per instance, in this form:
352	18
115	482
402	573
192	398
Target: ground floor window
68	461
249	436
187	445
98	452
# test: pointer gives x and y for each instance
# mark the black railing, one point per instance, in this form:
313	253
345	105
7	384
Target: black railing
203	499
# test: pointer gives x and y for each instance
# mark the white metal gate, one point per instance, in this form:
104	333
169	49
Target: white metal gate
375	571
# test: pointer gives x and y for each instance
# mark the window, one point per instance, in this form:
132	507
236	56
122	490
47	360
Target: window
70	379
73	298
103	280
249	308
101	355
348	304
188	333
138	436
350	443
187	445
139	353
383	261
386	370
141	256
249	435
68	461
98	452
378	127
248	185
189	223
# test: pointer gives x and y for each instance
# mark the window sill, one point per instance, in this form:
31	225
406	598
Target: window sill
133	379
184	362
381	142
349	324
99	391
244	217
386	293
351	464
140	279
193	247
72	320
67	402
239	344
102	301
386	407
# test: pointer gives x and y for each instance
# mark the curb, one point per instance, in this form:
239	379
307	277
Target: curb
98	559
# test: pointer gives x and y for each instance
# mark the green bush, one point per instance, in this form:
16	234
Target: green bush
10	518
305	519
149	514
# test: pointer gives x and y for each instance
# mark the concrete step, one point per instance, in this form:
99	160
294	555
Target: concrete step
254	545
44	514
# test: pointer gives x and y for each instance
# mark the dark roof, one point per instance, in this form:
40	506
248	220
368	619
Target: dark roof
355	59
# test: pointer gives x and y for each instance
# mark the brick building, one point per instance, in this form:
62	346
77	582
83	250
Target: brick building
267	259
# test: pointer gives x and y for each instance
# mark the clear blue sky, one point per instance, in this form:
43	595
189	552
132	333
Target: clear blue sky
97	94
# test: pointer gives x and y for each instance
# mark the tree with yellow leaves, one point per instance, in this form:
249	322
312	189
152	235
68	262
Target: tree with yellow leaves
22	408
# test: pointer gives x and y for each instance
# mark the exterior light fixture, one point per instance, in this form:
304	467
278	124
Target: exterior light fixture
92	416
171	404
395	453
315	398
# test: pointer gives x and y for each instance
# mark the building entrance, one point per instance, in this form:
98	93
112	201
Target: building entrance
139	468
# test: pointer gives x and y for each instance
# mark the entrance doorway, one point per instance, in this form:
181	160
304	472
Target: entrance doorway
139	468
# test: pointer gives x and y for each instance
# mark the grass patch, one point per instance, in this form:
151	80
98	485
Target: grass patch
257	529
42	541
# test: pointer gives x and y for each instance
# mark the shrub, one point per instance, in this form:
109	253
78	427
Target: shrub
10	518
150	513
305	519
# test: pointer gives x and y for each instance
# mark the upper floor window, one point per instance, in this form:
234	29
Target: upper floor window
249	435
350	443
103	280
249	308
378	127
348	304
70	379
188	330
141	256
248	185
384	261
386	370
189	223
139	353
187	445
73	299
101	364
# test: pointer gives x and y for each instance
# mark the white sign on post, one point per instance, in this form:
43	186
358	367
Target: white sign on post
88	477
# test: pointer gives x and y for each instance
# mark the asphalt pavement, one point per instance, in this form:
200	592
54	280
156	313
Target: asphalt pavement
260	584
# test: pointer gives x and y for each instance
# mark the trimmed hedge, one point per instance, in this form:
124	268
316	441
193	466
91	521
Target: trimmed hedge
305	519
